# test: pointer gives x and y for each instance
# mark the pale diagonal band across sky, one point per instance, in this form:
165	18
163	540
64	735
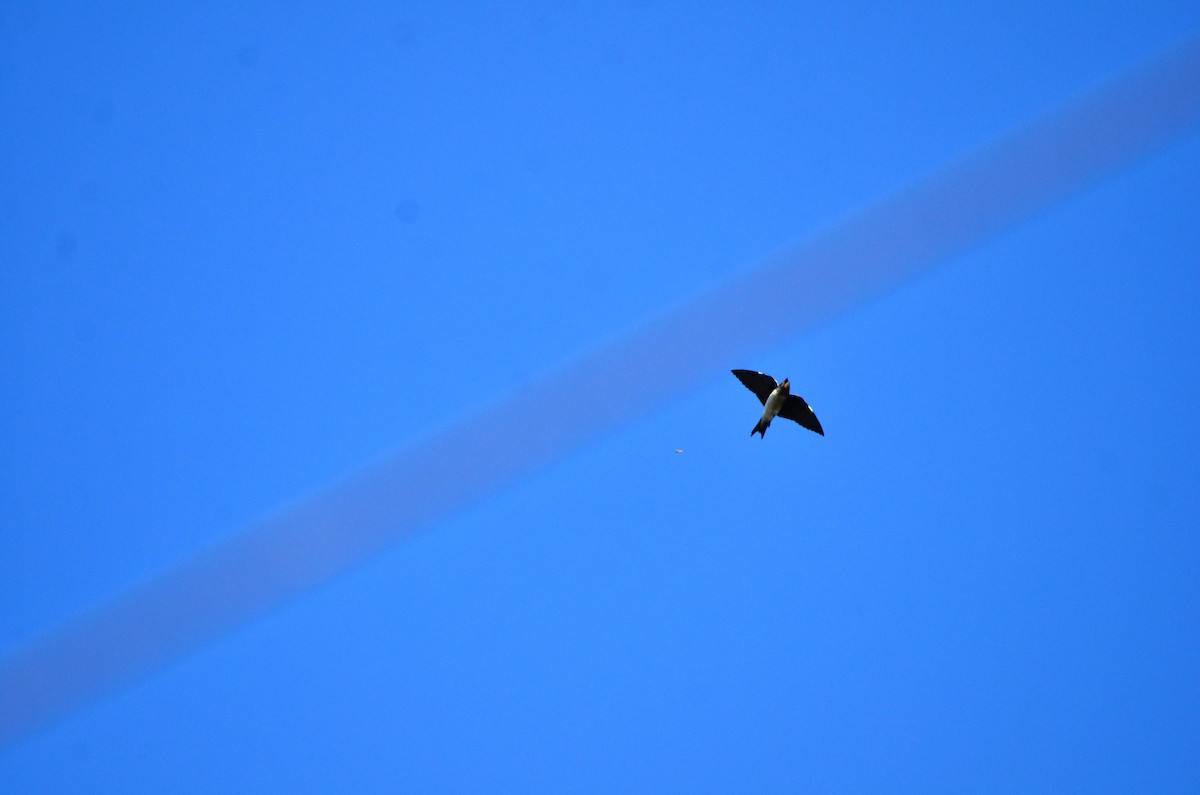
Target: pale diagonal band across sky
835	270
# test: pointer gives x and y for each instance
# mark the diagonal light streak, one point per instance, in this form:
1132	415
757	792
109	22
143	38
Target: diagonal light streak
864	255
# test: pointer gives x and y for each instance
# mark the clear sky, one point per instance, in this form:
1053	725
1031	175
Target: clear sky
245	251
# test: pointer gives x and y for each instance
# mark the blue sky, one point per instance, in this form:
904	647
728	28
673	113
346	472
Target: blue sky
246	251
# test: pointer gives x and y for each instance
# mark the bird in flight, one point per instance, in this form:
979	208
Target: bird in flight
778	400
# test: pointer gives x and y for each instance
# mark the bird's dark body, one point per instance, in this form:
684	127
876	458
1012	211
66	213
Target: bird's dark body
778	401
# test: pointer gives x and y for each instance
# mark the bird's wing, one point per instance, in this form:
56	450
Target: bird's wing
797	409
760	384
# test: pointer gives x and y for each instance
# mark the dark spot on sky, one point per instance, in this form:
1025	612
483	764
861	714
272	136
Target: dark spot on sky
408	211
65	245
102	113
247	56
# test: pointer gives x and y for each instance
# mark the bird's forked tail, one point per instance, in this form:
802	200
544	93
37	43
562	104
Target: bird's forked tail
761	429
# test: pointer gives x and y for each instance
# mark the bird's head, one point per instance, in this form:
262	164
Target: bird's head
786	385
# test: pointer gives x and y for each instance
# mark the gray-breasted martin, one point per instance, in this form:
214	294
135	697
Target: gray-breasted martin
778	400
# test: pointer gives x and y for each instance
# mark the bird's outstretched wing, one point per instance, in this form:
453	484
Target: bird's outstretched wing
796	408
760	384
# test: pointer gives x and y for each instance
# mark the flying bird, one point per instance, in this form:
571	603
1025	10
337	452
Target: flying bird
778	400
